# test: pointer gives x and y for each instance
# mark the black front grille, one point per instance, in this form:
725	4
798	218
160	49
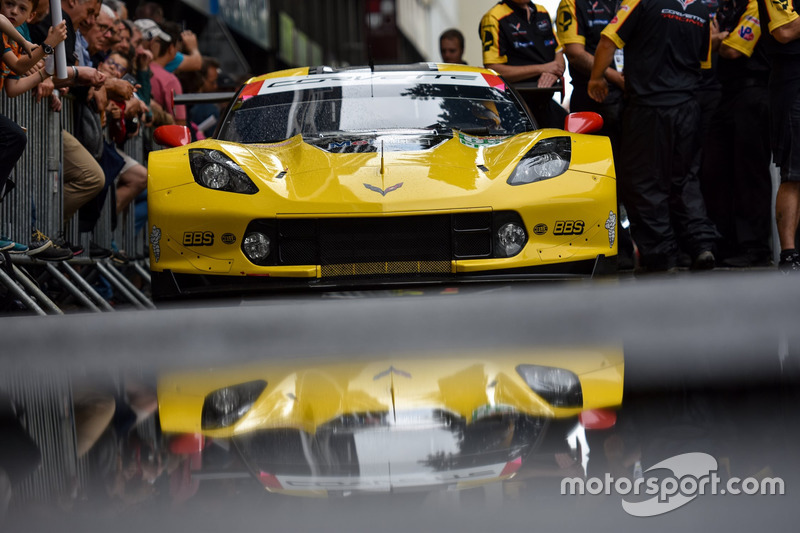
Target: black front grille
381	246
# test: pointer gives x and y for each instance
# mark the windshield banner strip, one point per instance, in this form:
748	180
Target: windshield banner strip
322	81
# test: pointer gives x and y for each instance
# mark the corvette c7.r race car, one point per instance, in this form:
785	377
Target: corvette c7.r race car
419	173
409	422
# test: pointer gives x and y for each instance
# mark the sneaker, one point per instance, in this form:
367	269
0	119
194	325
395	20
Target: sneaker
76	249
789	261
39	243
120	257
98	252
12	247
6	244
705	260
54	253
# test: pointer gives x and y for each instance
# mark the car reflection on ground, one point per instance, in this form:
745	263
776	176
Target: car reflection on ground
464	434
408	423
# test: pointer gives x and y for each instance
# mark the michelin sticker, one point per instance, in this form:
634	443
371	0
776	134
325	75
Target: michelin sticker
611	226
155	239
477	142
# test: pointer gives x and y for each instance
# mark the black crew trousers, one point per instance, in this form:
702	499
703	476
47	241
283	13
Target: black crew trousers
657	185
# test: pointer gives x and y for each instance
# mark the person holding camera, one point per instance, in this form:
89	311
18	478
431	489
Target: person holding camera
123	117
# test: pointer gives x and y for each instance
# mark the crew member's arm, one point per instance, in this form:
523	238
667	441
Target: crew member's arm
514	73
742	39
582	61
783	21
603	56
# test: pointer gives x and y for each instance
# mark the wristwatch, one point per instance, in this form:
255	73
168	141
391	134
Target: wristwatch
48	50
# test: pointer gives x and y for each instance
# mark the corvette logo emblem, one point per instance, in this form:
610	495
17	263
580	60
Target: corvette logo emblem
382	191
686	3
391	370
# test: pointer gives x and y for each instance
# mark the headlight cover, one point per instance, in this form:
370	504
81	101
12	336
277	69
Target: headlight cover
215	170
558	386
226	406
547	159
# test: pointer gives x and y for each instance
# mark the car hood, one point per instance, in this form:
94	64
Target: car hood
388	172
309	395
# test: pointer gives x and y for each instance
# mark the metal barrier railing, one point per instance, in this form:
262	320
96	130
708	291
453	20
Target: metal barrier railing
37	201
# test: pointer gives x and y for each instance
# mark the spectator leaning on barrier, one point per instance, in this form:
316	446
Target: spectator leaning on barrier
660	126
12	139
119	8
19	75
101	35
125	33
123	119
83	177
165	83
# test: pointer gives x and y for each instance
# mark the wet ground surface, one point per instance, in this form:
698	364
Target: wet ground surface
711	370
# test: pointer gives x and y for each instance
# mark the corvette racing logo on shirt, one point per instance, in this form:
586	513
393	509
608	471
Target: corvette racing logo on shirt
686	3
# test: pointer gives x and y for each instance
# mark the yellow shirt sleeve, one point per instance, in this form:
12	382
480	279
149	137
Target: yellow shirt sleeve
780	13
747	32
567	24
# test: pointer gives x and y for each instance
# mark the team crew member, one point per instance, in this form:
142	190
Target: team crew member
736	180
666	43
451	46
578	26
782	45
519	43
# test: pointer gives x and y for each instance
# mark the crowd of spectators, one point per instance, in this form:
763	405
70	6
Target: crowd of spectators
122	72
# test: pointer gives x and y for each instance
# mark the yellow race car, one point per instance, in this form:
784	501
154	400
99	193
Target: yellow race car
405	423
320	177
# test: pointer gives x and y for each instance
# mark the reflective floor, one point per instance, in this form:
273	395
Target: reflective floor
684	416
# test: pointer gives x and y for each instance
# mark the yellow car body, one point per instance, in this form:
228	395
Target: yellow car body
387	409
386	204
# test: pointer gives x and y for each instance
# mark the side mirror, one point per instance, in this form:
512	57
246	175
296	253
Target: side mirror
598	418
187	444
583	122
172	136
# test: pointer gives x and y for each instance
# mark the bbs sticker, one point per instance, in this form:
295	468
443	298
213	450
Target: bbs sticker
198	238
569	227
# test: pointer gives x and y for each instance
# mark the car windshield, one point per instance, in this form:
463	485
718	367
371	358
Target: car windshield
337	105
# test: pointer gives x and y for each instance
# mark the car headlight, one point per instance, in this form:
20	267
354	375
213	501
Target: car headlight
558	386
215	170
226	406
547	159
